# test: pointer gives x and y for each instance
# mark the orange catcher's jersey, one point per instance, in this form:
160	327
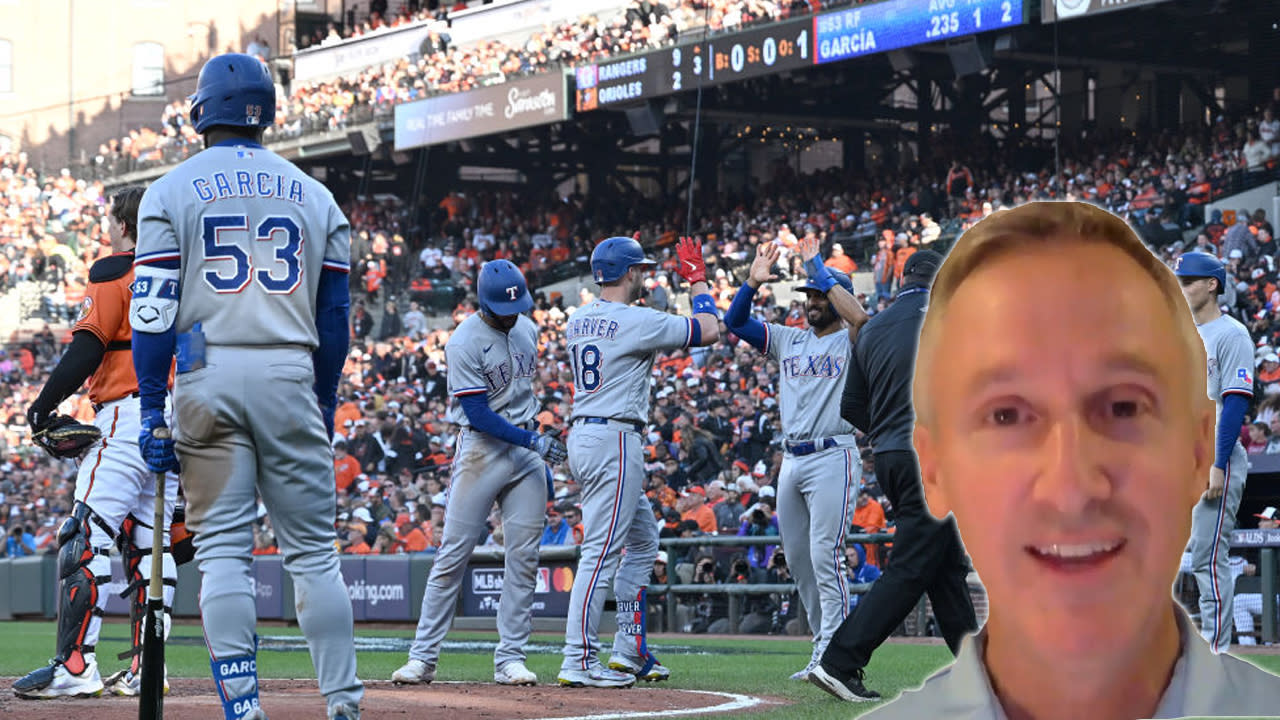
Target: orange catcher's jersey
105	313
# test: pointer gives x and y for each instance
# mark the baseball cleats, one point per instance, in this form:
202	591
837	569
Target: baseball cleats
344	712
414	672
851	689
814	661
514	673
54	681
126	683
598	676
657	673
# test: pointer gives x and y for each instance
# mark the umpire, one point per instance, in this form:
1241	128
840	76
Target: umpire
927	554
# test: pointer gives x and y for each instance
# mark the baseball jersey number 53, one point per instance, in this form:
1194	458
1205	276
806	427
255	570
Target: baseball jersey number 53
586	367
237	271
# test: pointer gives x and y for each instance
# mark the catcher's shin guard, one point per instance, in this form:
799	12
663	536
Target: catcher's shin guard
241	672
134	542
83	565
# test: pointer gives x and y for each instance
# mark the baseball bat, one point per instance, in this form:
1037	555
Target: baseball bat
151	696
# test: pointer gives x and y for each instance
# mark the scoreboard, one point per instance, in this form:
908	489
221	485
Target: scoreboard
789	45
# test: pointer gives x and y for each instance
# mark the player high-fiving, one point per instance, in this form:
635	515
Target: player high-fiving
816	482
612	346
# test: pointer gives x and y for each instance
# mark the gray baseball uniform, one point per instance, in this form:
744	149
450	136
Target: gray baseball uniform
1230	353
818	475
252	233
483	359
612	348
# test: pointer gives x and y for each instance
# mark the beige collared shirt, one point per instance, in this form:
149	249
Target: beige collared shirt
1203	684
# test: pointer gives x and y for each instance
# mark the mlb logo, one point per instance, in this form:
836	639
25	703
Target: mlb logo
244	154
252	114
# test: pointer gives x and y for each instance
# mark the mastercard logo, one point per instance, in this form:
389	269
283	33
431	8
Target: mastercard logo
562	579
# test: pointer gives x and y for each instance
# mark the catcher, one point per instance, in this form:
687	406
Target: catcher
115	493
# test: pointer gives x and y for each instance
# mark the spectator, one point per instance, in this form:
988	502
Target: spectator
1257	437
868	517
409	536
840	261
859	571
759	521
557	531
21	543
694	509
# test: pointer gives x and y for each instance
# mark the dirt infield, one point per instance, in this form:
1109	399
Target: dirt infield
298	699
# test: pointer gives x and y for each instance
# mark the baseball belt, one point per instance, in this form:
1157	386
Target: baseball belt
633	425
811	446
97	407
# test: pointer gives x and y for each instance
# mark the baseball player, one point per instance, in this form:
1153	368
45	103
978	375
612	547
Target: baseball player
242	268
1230	352
492	358
611	346
821	464
115	493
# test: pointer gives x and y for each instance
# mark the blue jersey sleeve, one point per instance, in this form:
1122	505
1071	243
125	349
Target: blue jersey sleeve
483	418
739	321
333	303
1234	406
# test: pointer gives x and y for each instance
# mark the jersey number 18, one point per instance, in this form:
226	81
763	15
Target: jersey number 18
586	367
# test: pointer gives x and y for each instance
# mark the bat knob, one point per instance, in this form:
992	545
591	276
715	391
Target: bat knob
161	433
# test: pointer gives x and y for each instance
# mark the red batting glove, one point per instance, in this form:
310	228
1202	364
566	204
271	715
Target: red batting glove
692	267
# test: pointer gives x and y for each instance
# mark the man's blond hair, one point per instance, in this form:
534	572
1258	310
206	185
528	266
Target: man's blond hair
1039	224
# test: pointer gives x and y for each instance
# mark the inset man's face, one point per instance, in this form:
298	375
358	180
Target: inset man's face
1071	436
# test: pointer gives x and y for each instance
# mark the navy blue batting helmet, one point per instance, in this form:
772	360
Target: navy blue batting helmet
234	89
1201	264
502	290
612	259
841	279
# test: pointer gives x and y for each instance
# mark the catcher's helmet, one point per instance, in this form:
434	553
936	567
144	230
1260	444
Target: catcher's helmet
502	289
1201	264
233	89
612	259
841	279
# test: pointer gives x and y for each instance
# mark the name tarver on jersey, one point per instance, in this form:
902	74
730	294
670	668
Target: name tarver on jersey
819	366
591	327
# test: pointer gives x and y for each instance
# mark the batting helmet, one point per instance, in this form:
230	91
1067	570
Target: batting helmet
841	279
233	89
502	290
1201	264
612	259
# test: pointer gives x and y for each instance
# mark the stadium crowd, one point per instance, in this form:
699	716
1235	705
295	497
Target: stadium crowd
441	66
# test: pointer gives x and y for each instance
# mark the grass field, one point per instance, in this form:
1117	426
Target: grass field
750	666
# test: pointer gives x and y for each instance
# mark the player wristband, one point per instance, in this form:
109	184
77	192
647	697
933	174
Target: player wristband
818	274
704	303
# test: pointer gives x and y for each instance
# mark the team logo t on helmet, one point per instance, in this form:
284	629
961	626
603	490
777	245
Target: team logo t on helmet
233	89
612	259
502	289
1201	264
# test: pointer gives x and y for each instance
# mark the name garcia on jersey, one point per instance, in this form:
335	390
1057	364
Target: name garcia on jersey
820	366
245	184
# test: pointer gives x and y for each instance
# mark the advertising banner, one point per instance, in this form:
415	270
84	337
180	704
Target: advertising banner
482	588
526	102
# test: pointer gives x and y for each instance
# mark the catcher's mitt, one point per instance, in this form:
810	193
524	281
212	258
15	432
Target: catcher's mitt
63	437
